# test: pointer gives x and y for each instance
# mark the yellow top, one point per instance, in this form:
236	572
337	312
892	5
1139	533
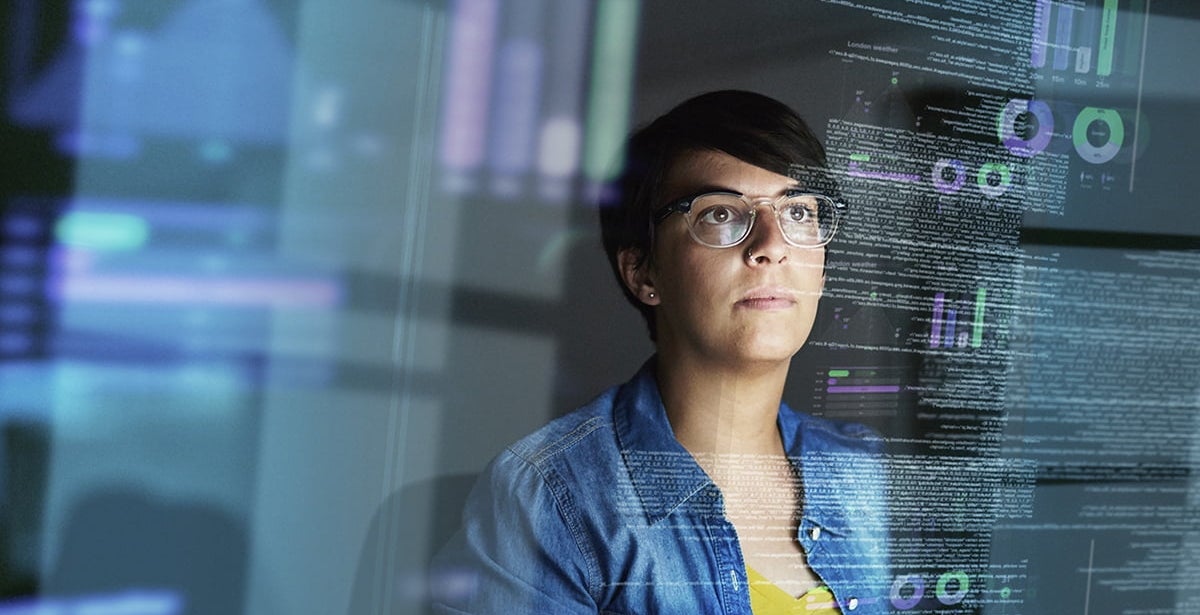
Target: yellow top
766	598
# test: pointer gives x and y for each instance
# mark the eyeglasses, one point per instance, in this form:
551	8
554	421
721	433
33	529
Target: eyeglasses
724	219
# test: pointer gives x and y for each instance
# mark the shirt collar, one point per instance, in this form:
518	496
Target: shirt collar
665	475
815	452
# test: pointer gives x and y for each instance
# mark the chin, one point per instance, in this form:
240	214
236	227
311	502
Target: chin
774	342
774	351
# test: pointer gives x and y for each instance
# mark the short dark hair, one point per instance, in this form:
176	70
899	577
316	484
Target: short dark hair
750	127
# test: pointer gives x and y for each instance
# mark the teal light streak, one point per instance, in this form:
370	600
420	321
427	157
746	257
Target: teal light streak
1135	14
102	231
611	88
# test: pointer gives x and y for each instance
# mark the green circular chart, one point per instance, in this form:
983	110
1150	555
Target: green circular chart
1098	134
997	170
949	596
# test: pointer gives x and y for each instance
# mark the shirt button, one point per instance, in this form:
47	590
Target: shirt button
815	533
852	604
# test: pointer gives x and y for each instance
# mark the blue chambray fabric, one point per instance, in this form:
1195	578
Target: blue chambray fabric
603	511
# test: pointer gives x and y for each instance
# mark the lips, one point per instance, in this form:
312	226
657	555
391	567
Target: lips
768	298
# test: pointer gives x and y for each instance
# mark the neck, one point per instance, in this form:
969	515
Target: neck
722	409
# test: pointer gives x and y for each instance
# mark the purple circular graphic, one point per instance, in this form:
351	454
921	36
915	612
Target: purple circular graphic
918	592
941	183
1006	127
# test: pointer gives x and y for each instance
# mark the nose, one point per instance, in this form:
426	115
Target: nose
766	244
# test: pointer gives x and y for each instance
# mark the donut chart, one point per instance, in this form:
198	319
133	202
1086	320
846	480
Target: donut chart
993	170
948	596
1025	145
1098	134
897	594
939	173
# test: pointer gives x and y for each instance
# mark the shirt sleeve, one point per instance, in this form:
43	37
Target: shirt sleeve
518	551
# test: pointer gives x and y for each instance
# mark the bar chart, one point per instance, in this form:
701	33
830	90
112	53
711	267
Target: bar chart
859	392
519	116
1098	37
949	324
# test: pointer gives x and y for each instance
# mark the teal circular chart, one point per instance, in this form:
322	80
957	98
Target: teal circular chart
952	595
1098	134
993	178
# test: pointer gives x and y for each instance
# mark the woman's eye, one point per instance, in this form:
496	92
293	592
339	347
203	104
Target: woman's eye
718	214
799	213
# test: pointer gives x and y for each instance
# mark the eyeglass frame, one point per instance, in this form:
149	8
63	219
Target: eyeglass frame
684	206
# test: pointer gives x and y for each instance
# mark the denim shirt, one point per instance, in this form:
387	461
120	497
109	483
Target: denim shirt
603	511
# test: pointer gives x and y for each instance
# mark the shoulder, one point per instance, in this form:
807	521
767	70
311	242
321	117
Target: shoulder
829	435
531	507
588	427
575	449
524	536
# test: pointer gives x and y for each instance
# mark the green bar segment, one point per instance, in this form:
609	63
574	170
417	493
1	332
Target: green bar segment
612	84
977	333
1131	37
839	373
1108	36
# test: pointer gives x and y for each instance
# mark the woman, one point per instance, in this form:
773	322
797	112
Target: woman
692	488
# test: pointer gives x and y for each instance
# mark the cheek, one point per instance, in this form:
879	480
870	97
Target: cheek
812	270
712	275
693	284
682	265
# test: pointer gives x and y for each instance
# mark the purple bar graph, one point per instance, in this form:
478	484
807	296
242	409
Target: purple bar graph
882	388
1062	36
519	76
520	65
935	333
951	318
1041	30
468	83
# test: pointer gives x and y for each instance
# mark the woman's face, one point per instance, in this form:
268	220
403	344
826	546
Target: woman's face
753	302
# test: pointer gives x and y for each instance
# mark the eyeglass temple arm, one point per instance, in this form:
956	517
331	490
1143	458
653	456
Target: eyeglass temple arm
682	206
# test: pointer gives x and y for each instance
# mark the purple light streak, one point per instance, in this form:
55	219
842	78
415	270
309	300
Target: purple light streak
1062	36
951	319
935	335
469	81
881	388
1041	29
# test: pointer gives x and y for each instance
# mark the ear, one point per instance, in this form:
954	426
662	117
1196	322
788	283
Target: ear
635	272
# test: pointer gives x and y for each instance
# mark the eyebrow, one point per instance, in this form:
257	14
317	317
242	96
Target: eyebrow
707	188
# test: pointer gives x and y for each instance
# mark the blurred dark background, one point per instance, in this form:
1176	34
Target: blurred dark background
278	278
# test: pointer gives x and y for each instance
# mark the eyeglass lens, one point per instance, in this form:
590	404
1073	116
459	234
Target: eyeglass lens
722	220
